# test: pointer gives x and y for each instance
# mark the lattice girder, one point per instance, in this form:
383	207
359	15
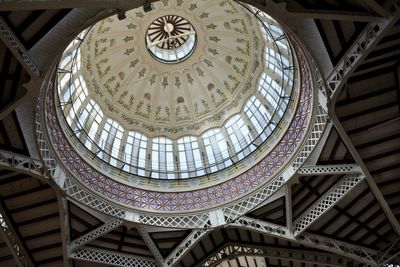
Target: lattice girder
230	250
150	244
329	169
363	45
111	258
15	45
96	233
327	201
22	163
13	242
358	253
185	246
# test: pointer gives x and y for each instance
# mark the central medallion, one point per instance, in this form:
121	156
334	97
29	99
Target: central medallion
171	39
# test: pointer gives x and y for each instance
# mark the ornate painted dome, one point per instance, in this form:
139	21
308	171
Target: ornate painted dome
184	116
168	94
171	71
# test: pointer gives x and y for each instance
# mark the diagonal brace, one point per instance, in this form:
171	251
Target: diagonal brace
94	234
326	202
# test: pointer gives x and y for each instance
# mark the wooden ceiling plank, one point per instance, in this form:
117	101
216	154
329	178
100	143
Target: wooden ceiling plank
48	26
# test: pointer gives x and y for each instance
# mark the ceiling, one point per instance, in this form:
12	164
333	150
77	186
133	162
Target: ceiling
364	106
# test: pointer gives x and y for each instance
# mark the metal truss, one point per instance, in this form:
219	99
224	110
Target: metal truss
150	244
392	246
96	233
317	130
185	246
41	138
330	169
19	51
358	253
364	44
13	242
111	258
21	163
233	250
326	202
65	228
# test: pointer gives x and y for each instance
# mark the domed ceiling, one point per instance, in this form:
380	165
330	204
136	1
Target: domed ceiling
221	121
210	83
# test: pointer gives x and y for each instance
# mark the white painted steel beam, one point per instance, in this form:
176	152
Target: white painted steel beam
17	48
232	250
65	228
369	179
94	234
23	164
12	240
288	207
330	169
365	43
184	247
111	258
326	202
151	245
316	153
358	253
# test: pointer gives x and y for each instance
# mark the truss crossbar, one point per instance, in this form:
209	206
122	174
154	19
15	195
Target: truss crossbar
96	233
19	51
184	247
326	202
329	169
111	258
151	245
358	253
17	249
232	250
25	164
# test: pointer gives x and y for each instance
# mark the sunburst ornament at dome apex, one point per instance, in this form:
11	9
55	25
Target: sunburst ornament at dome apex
202	91
171	39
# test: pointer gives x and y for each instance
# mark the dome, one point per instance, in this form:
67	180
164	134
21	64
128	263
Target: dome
118	154
205	94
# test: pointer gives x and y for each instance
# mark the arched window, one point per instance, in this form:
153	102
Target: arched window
78	96
258	115
135	153
92	126
239	136
110	141
190	163
216	149
162	158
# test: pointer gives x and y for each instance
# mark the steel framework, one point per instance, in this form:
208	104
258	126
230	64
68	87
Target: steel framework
231	250
358	253
327	201
95	233
12	240
112	258
15	45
